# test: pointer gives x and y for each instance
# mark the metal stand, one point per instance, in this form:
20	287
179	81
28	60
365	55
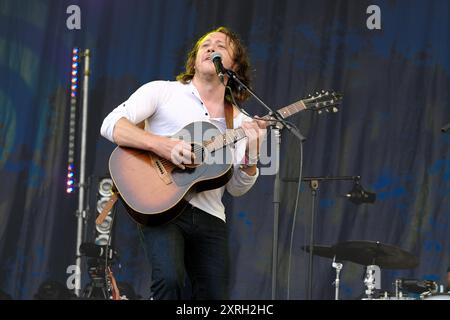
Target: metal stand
314	185
398	293
100	287
81	213
338	266
276	211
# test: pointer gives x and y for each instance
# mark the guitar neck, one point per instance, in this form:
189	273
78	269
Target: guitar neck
233	135
289	110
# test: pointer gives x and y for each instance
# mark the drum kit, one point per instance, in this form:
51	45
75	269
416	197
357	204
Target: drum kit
376	256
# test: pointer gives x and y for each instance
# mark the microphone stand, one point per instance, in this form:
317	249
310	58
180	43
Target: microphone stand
276	196
276	210
314	186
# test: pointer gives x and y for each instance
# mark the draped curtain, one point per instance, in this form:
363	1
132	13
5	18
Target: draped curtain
395	83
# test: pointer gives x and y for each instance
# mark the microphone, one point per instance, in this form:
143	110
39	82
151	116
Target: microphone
216	58
358	195
97	251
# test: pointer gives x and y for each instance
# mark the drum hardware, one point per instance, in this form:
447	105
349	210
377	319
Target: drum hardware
423	288
397	288
372	280
372	254
441	296
338	266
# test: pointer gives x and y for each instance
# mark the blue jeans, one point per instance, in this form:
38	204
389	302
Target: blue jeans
194	244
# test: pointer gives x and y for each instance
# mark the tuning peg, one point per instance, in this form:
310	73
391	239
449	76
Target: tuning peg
319	111
335	109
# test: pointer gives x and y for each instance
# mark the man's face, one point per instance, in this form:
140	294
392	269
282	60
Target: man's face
214	42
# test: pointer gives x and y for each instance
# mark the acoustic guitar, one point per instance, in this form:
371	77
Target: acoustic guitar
153	189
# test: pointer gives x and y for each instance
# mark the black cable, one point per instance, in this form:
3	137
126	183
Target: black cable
113	217
295	216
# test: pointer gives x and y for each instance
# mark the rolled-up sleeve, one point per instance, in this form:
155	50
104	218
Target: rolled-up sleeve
139	106
240	182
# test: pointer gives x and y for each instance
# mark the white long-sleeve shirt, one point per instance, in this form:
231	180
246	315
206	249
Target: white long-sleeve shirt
167	107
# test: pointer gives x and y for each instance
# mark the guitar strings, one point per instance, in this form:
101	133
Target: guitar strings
196	149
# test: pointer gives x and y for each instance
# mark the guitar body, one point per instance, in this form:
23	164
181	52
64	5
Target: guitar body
153	189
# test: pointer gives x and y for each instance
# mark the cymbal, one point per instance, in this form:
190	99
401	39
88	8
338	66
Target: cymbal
368	253
373	252
323	251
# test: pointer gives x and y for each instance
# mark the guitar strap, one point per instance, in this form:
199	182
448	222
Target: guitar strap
114	288
106	209
229	115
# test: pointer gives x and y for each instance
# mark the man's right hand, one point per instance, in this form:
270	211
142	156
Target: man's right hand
175	150
129	135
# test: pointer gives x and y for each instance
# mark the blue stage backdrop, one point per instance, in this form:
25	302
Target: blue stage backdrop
395	82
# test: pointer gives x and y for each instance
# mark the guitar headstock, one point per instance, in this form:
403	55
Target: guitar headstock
323	100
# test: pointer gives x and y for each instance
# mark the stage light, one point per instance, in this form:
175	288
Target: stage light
104	194
102	239
101	203
105	187
73	102
105	226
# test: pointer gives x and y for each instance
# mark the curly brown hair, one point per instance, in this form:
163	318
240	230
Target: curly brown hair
240	59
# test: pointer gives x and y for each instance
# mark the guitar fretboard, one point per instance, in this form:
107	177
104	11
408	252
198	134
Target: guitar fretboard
292	109
229	137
